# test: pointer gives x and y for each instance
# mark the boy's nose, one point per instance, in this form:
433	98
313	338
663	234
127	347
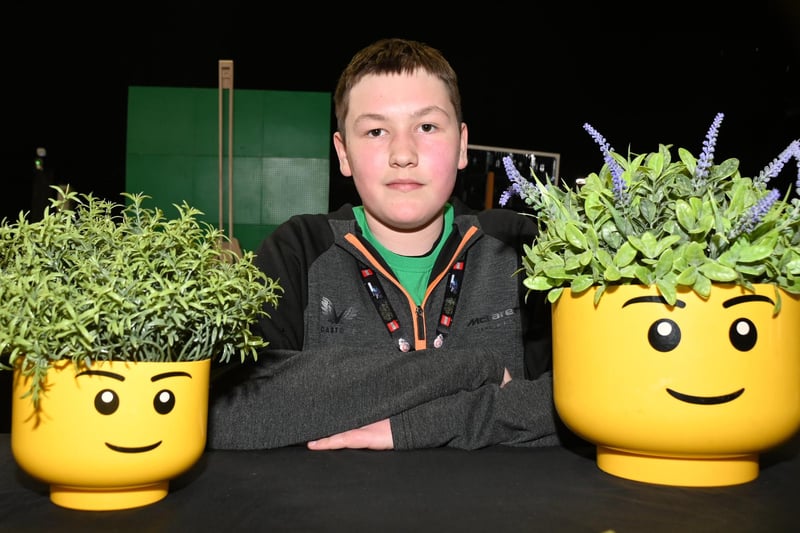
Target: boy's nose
403	152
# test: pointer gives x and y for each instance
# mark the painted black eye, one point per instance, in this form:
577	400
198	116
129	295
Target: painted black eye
664	335
106	402
164	402
743	334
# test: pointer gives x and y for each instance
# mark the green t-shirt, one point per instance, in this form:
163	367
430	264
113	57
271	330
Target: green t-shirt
413	272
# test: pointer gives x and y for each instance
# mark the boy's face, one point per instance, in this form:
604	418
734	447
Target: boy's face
404	148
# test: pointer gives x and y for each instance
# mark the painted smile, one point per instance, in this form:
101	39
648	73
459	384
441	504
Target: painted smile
705	400
139	449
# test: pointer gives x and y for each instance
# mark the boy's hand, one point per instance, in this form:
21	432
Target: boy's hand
375	436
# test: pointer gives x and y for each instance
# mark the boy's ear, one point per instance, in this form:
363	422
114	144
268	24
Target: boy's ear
341	153
463	160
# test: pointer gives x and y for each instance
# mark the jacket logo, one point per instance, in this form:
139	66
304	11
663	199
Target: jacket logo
497	315
333	318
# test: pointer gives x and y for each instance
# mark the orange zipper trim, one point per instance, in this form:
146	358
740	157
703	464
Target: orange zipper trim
417	312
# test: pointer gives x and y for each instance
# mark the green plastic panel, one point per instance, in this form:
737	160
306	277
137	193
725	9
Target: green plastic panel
281	154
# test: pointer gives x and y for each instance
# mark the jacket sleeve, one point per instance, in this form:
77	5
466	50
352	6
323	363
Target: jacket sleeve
521	414
290	397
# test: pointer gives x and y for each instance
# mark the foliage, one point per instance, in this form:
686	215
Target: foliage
97	280
651	220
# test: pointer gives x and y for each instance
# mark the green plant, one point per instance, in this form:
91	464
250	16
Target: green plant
651	220
97	280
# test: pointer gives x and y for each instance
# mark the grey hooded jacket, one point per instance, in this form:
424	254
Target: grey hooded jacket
335	361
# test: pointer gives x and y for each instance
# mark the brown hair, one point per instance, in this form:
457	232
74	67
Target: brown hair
394	56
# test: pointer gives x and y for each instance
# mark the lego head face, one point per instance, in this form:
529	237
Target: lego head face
116	424
718	376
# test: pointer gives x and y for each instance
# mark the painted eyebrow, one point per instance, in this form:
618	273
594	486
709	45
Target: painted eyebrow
747	298
112	375
653	300
166	375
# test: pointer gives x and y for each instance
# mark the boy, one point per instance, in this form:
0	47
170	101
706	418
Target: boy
403	324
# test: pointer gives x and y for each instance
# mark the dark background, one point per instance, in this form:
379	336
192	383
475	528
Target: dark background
531	75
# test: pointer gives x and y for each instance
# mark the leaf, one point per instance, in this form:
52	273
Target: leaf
555	271
688	276
598	293
656	162
716	272
612	273
585	258
573	263
668	291
647	244
581	283
688	159
554	294
725	169
538	283
575	236
665	244
625	255
685	215
664	264
593	207
648	210
694	254
751	254
760	249
702	286
606	260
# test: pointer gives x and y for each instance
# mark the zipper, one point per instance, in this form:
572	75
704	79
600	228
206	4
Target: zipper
385	311
420	324
418	311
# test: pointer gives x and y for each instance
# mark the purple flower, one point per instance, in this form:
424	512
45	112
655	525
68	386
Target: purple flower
519	185
774	168
505	197
755	214
619	187
707	155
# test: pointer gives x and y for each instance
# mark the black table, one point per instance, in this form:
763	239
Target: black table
492	490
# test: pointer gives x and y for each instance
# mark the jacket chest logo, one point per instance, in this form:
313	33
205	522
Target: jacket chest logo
332	320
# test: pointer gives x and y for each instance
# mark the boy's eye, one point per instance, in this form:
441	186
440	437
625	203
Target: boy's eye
374	133
427	128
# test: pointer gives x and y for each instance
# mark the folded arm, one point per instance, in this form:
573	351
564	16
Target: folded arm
291	397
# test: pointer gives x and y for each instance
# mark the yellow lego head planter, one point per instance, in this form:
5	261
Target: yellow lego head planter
688	394
113	435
